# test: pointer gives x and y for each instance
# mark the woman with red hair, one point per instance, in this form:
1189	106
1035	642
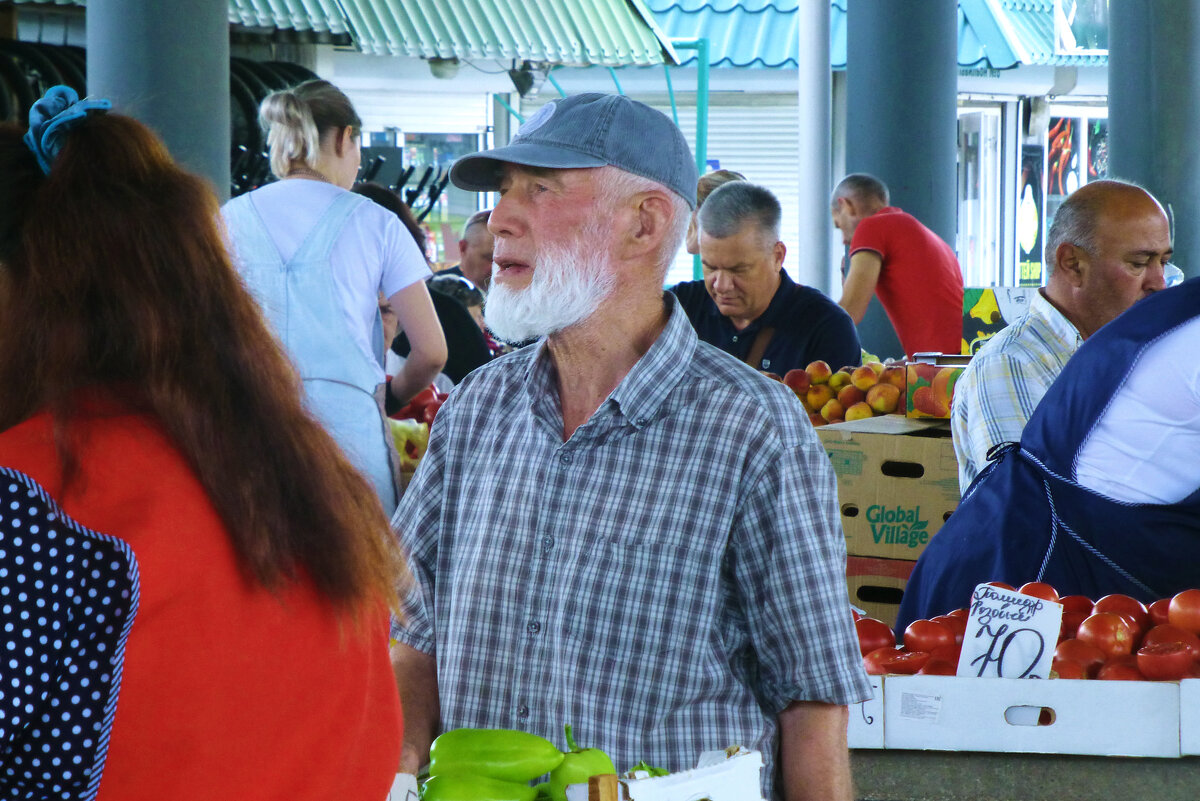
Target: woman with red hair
194	580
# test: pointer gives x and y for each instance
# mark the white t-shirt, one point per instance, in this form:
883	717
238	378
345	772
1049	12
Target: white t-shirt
1144	447
374	253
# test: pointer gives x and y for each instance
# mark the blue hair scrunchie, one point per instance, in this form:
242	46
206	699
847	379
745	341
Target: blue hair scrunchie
52	117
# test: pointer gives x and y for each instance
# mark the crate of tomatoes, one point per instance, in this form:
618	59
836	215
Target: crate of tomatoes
1123	681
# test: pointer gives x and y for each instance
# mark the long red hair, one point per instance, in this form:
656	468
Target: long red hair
118	278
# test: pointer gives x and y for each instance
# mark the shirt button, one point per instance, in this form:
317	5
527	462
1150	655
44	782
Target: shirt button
735	339
547	543
642	422
565	458
522	711
534	627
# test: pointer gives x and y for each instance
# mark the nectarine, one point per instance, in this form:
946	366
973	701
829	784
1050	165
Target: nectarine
864	377
883	398
819	372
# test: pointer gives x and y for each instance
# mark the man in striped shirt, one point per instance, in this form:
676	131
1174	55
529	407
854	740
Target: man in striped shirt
1107	248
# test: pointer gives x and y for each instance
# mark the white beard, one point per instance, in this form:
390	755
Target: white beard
569	283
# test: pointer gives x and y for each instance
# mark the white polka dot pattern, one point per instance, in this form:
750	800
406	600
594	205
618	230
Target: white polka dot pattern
68	597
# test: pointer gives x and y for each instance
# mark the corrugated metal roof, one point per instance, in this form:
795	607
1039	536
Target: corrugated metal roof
608	33
569	32
999	34
1030	29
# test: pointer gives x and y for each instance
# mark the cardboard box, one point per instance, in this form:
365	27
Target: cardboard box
717	777
1111	718
987	310
1189	717
865	728
930	384
897	482
877	585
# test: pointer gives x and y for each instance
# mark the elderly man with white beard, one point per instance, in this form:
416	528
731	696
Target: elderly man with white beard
620	527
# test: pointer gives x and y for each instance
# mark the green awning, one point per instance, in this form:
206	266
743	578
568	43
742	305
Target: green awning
578	33
607	33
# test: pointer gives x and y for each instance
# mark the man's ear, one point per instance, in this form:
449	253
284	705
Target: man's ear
1067	261
780	252
652	217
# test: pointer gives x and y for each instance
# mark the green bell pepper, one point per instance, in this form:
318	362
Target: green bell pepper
472	787
505	754
578	765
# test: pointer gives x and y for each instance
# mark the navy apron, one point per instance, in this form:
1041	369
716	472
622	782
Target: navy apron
300	301
1024	518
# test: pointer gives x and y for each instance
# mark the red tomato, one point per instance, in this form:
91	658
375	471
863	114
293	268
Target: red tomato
1066	669
907	662
956	624
1158	611
1076	603
1076	608
854	614
1070	624
1120	669
1002	585
1168	633
925	635
894	660
1131	609
1164	661
1086	655
946	653
1039	589
875	662
1109	632
939	667
873	634
1184	611
963	613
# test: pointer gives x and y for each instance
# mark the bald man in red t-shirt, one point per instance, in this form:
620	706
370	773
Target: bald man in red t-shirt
914	273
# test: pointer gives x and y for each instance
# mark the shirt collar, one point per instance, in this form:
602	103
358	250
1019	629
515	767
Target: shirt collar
1059	324
648	383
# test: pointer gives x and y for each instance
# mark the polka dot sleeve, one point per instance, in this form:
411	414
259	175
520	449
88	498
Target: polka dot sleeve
68	597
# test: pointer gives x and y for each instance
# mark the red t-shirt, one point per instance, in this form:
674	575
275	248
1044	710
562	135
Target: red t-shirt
920	284
226	690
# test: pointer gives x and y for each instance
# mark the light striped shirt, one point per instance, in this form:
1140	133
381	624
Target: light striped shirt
1005	381
666	581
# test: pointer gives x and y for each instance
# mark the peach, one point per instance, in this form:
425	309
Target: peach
798	380
878	367
772	376
819	372
818	395
816	419
864	377
895	374
883	398
848	396
859	411
839	380
833	411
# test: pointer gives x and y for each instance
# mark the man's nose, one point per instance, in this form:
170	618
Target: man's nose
503	220
722	282
1155	278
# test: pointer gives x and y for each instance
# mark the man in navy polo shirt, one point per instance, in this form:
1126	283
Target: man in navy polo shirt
747	305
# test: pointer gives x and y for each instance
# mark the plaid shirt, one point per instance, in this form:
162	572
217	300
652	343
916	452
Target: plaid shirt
666	581
1005	381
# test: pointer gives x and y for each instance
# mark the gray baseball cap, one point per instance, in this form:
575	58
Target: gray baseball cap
590	130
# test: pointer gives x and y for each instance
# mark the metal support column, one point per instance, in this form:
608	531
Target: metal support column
901	118
1154	110
168	67
815	149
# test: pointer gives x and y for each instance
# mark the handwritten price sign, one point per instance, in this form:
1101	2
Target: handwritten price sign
1009	635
